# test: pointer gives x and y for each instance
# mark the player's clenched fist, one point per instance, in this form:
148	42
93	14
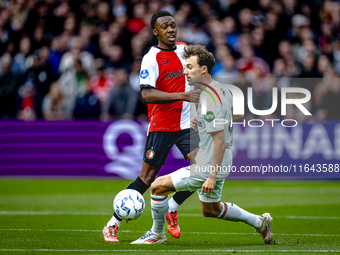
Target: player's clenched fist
209	185
192	96
195	95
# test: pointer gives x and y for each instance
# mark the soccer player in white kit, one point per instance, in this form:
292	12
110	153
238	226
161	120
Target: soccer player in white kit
213	160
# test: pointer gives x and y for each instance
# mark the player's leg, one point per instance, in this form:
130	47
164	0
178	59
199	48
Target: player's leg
157	147
141	184
261	223
181	196
160	189
188	145
212	207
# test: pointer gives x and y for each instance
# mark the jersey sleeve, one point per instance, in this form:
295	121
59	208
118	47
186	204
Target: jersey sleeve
149	72
214	113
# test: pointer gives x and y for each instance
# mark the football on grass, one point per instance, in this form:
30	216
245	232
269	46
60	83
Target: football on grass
129	204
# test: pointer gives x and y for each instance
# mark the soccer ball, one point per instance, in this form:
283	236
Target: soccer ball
129	204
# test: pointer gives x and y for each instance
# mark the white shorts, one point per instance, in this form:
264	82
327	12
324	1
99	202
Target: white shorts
182	180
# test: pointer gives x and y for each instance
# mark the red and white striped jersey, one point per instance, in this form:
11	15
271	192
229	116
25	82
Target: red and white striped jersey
164	70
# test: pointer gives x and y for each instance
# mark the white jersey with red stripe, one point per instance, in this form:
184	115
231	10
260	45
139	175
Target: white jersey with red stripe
163	70
214	115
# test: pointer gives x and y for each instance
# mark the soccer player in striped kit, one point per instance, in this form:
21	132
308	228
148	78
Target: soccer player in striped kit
165	89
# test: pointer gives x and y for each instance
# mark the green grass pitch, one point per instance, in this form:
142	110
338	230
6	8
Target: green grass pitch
66	217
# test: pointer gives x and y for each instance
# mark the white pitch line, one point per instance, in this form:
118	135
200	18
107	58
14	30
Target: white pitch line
179	214
50	213
190	250
190	233
309	217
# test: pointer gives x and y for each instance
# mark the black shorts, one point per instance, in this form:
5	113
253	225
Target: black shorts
158	145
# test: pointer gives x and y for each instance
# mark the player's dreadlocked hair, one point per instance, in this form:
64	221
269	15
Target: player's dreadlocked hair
204	57
158	15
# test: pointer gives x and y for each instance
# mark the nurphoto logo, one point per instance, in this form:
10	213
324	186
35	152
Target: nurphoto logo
238	104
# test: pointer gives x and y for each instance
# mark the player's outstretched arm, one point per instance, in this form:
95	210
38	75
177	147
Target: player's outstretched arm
152	96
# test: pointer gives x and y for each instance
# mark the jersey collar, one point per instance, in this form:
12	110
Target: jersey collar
165	49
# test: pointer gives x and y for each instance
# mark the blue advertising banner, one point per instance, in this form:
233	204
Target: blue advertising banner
96	149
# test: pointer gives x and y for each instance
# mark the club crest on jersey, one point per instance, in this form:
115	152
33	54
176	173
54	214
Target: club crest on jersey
174	75
209	117
144	73
150	154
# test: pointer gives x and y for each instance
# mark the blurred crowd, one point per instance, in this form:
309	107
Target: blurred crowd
65	60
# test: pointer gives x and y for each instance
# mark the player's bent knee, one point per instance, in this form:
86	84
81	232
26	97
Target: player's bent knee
156	187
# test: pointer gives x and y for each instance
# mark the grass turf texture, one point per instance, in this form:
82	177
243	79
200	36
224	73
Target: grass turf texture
66	217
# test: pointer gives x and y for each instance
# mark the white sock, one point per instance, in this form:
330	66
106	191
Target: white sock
173	206
114	221
232	212
159	208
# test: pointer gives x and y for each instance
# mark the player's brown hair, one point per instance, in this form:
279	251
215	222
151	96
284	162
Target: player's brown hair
204	57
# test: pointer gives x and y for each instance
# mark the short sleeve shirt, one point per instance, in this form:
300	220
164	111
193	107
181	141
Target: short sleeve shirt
163	70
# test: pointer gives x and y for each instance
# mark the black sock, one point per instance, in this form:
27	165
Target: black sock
181	196
117	217
138	185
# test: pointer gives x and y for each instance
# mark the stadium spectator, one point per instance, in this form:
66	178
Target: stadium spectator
326	38
326	96
194	34
27	107
228	74
122	99
39	73
104	43
136	24
119	7
229	29
137	46
254	67
284	49
120	35
102	83
72	84
258	42
56	52
244	18
76	51
221	52
103	14
54	106
19	65
87	105
323	65
8	86
115	58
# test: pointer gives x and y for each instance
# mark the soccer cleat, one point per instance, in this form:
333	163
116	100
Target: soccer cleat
265	228
172	226
151	238
110	234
